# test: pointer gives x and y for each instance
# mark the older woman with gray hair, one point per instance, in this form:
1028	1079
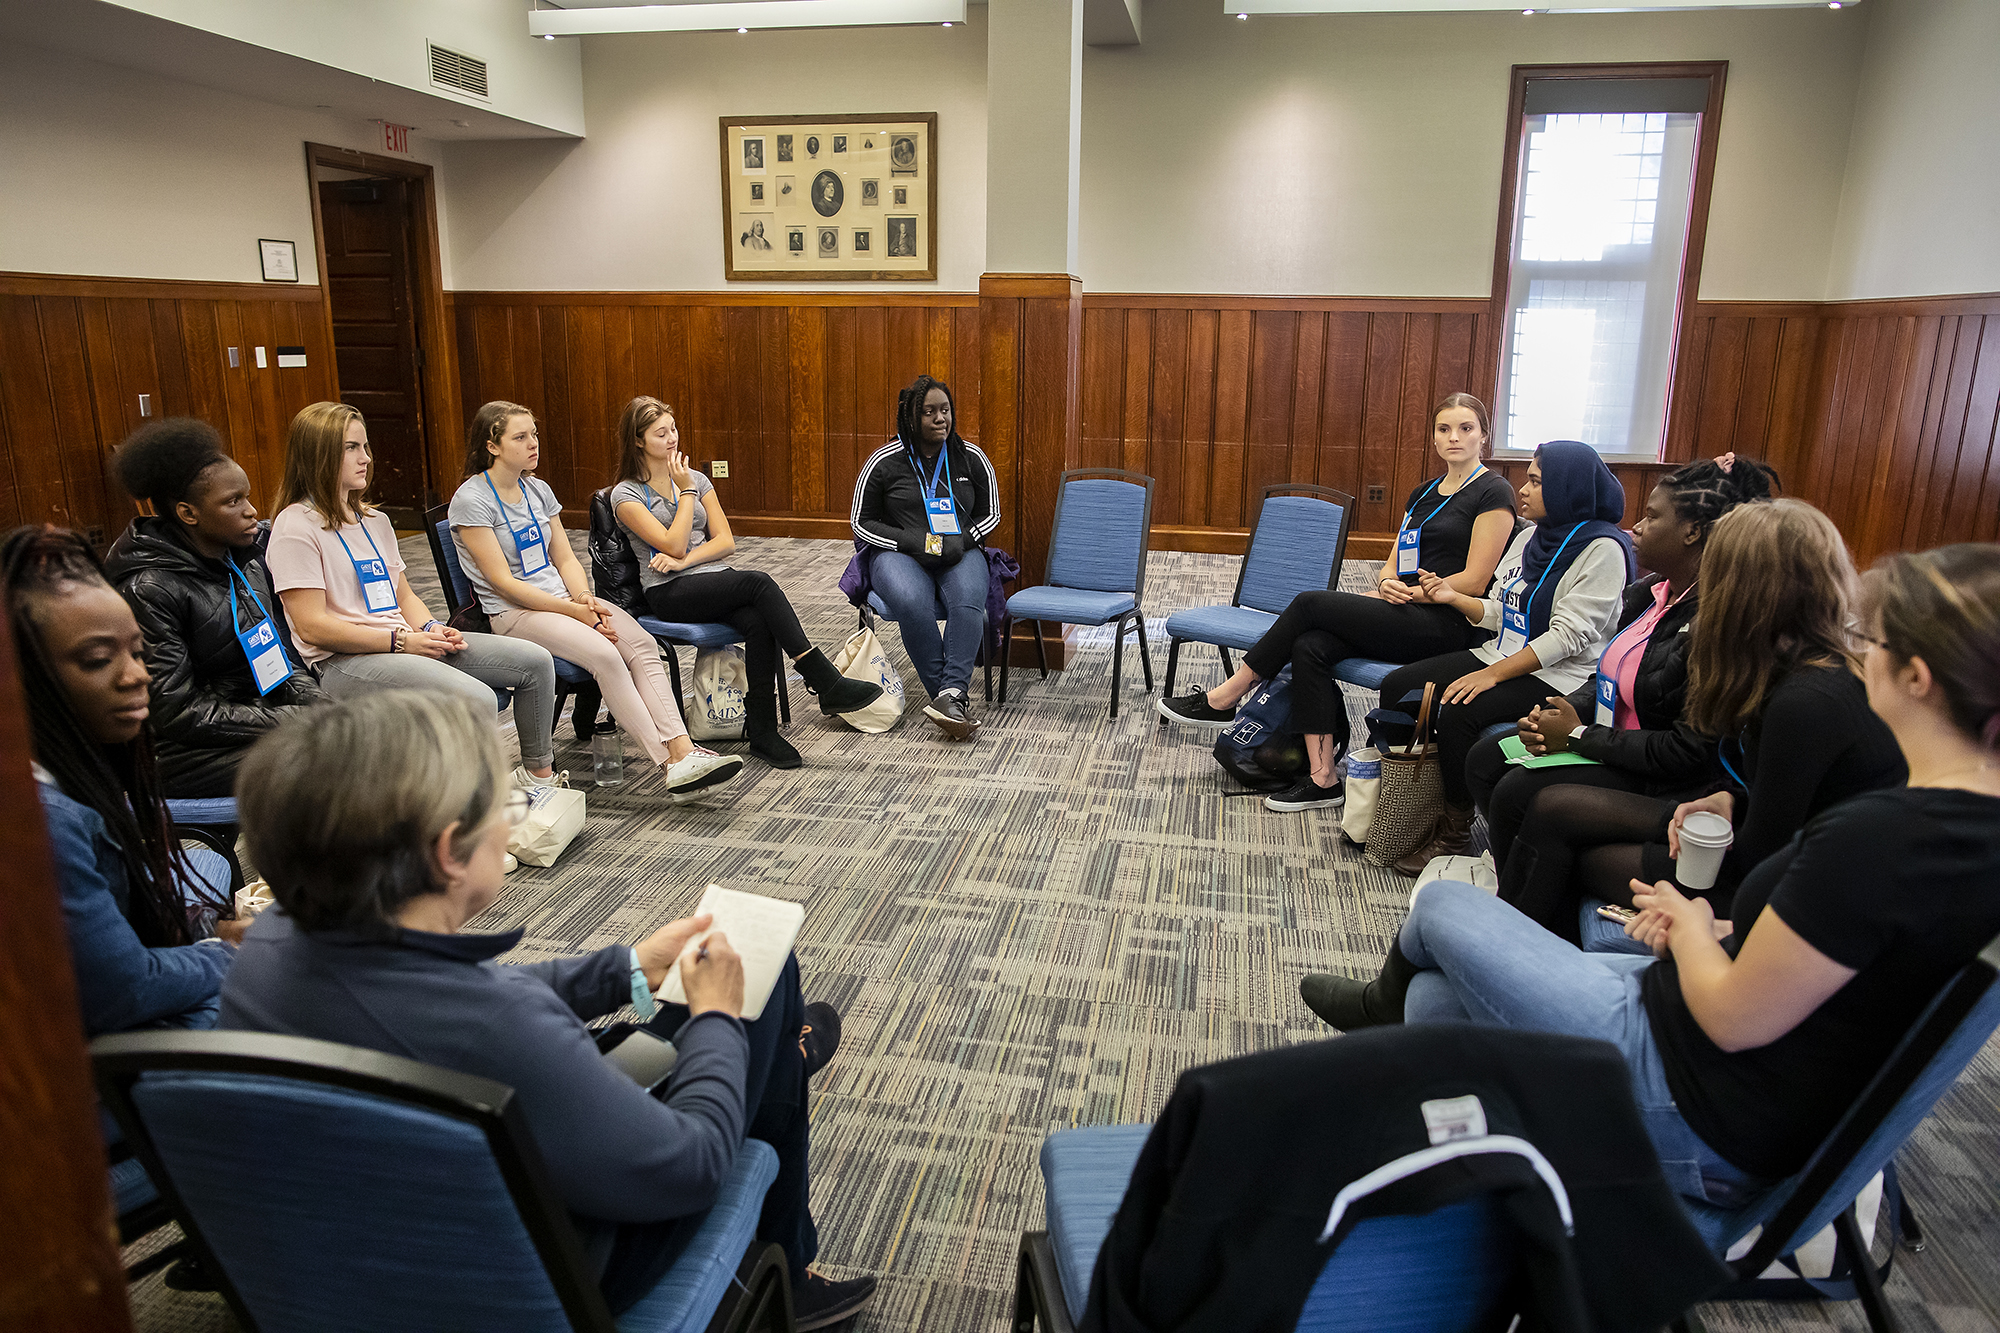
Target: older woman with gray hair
381	823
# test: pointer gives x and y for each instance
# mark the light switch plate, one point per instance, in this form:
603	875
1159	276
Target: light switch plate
261	362
719	468
235	357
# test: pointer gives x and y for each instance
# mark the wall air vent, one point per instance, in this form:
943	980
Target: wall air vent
459	72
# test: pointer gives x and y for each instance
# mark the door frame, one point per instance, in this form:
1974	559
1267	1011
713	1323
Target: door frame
437	340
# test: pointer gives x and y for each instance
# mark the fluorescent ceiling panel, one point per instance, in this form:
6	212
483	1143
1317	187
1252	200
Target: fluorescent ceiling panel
1491	6
710	17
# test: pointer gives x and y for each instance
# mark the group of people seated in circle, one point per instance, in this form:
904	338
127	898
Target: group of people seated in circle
1847	730
1844	730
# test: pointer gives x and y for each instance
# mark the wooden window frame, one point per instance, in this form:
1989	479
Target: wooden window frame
1706	138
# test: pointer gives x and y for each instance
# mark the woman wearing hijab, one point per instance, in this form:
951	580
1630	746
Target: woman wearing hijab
1554	604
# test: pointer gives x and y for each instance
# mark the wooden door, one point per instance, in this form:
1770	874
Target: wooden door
366	230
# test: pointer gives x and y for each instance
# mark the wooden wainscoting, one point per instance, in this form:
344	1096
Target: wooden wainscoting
76	353
793	390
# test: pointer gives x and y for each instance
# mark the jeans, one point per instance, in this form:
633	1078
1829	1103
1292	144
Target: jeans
1485	962
775	1111
488	662
918	598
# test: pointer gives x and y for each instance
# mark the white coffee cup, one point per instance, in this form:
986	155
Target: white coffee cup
1704	838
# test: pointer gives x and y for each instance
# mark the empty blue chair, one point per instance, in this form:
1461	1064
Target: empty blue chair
1297	543
334	1188
458	594
1096	569
1959	1020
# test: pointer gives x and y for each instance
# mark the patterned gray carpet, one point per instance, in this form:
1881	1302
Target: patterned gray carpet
1042	929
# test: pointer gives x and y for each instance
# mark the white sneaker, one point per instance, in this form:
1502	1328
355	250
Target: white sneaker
527	781
508	865
702	768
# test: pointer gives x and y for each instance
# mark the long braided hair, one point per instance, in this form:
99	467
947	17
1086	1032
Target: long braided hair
1706	489
120	782
910	413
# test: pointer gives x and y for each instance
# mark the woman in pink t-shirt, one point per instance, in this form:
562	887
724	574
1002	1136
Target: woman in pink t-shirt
334	563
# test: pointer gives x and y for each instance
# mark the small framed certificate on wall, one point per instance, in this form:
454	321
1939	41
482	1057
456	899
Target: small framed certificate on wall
829	198
280	259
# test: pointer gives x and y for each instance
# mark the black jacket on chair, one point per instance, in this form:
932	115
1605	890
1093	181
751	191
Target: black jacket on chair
1672	756
1219	1226
206	711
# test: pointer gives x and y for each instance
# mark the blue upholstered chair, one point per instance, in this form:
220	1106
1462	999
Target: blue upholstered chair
334	1188
1096	569
458	594
1959	1020
1296	545
877	609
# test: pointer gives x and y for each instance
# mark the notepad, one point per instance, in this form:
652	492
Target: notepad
761	930
1516	751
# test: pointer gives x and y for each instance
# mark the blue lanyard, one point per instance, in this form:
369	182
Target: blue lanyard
930	490
237	624
1440	509
527	501
652	498
1730	768
1548	569
371	544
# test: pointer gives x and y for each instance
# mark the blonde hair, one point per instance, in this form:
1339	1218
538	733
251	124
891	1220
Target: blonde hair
1944	606
343	802
1777	593
314	452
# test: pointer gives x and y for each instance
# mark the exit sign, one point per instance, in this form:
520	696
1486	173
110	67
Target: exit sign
395	138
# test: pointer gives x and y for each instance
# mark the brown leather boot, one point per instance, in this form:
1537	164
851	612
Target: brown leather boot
1451	837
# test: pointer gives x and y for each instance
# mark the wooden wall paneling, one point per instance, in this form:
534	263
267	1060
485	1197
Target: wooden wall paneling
1166	420
573	474
843	452
169	358
871	371
1986	515
1000	336
1882	523
1453	364
1684	394
1794	384
262	453
591	420
1135	414
1196	463
35	475
1381	406
1308	382
1962	519
1750	424
805	412
1343	406
1848	498
1267	433
1103	389
966	362
1233	351
1937	457
773	400
91	414
1415	459
1721	386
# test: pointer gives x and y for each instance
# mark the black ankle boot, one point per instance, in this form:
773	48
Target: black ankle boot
837	694
760	729
1351	1005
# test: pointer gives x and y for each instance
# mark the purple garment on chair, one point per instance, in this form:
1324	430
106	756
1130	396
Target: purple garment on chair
1001	569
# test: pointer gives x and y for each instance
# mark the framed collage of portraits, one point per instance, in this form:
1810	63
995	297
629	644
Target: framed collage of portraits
829	198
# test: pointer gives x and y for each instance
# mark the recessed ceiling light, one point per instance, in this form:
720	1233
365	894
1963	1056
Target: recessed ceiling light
1529	12
1833	4
947	25
548	37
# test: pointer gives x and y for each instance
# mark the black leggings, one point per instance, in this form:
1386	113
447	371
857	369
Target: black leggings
1457	726
1320	630
749	601
1504	791
1579	841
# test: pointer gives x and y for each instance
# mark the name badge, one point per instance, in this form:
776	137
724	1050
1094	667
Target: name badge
943	515
1607	700
378	590
532	548
268	666
1407	542
1513	620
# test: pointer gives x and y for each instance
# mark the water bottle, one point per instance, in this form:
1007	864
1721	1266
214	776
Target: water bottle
607	757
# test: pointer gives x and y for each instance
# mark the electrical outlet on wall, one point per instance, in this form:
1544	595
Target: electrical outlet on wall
719	468
1377	493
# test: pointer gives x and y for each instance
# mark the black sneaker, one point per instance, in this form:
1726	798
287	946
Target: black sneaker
952	716
820	1302
1305	794
1192	710
820	1037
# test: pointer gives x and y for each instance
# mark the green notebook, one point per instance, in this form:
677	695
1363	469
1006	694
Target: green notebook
1517	753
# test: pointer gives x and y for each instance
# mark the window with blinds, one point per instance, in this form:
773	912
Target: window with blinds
1601	206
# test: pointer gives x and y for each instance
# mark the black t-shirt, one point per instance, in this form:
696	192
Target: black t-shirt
1446	521
1903	886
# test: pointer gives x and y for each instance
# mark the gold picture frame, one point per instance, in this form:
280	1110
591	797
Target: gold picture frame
808	198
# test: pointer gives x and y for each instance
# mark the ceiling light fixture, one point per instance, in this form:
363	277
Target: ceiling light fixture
548	37
589	19
742	30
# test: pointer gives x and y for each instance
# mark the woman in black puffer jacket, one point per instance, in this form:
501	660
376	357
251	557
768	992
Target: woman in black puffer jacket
224	671
1636	736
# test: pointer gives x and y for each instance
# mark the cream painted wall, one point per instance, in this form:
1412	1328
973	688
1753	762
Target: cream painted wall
112	172
1361	156
637	204
1920	214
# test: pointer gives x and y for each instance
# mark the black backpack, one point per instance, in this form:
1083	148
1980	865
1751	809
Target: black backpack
613	567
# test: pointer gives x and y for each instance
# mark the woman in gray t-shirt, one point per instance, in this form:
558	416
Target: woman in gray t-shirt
677	529
507	526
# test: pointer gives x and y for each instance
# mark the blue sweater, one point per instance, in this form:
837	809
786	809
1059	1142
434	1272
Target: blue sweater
614	1153
120	983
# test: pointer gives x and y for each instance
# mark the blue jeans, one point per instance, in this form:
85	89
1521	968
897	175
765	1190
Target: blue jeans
918	599
1485	962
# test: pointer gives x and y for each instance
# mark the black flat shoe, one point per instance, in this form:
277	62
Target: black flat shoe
820	1037
1192	710
1305	794
820	1302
